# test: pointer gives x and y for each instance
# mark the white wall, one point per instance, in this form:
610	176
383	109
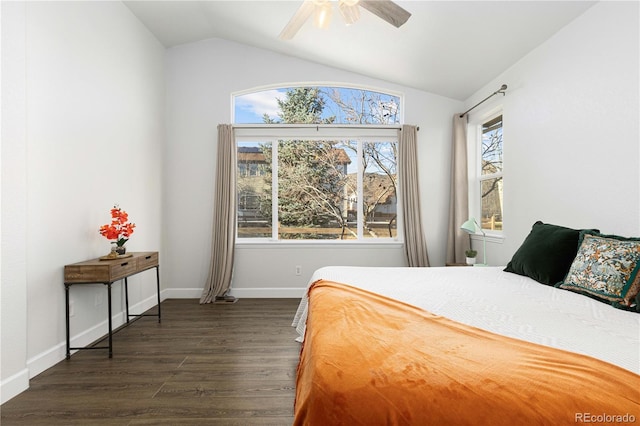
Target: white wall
13	204
200	80
87	93
572	144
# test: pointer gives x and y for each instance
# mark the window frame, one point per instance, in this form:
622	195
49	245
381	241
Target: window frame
367	133
474	148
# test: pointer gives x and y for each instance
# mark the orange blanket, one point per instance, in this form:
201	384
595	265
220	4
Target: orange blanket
370	360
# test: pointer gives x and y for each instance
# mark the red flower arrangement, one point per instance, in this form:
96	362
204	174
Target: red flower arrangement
118	230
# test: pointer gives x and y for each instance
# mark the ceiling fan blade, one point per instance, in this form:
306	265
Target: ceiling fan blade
386	10
297	20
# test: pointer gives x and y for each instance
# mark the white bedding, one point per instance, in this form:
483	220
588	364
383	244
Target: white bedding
504	303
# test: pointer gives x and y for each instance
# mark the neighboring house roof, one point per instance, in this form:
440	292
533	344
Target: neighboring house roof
250	155
375	184
341	156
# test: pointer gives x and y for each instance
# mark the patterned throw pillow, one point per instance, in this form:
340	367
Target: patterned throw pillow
605	268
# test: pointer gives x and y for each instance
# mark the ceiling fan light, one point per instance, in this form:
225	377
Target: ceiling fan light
322	15
350	12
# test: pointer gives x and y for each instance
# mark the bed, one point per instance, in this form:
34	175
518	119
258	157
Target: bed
461	345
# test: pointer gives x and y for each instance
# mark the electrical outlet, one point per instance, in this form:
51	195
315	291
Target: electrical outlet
72	311
298	269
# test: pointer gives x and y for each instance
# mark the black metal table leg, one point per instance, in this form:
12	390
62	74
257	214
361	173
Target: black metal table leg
110	322
66	297
126	297
158	287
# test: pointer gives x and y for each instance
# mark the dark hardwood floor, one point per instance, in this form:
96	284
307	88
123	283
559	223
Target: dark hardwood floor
204	364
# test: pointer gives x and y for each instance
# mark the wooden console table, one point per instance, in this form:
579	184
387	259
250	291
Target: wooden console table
97	271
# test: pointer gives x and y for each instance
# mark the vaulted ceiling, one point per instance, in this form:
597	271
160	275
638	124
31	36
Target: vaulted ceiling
450	48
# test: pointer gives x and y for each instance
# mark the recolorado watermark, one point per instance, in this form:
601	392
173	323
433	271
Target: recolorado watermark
604	418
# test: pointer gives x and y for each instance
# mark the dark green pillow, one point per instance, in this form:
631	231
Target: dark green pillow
546	254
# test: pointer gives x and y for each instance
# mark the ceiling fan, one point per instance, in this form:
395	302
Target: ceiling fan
349	9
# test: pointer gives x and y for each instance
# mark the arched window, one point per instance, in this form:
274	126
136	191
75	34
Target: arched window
317	163
326	104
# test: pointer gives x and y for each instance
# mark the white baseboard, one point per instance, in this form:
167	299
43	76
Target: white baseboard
240	293
14	385
181	293
268	293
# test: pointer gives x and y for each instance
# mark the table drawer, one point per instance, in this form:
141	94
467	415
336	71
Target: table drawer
86	274
123	268
147	260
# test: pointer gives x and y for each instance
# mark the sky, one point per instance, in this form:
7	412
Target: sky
251	107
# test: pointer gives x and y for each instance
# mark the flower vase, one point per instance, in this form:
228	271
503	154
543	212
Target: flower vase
113	254
121	250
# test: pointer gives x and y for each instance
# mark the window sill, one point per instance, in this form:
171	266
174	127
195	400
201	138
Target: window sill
316	244
490	238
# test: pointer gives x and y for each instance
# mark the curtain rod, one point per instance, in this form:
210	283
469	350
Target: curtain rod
317	126
502	89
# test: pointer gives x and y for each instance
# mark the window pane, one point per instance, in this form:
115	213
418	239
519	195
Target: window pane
379	188
492	146
313	190
254	190
491	190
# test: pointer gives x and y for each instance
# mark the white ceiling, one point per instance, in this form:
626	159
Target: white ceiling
450	48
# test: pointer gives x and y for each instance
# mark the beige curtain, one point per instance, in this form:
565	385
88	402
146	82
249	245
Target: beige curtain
224	219
457	239
414	242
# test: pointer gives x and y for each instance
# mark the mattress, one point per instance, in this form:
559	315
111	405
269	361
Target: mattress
503	303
